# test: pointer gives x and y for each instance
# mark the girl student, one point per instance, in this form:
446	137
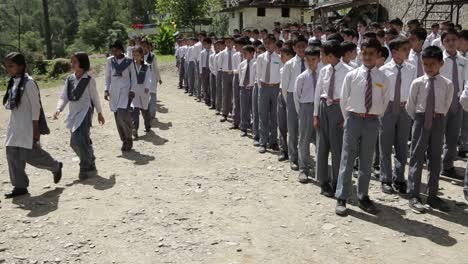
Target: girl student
81	95
27	123
142	85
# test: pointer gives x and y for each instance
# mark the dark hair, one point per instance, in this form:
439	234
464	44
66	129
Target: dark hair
261	47
249	48
397	43
257	43
380	33
332	47
288	51
371	43
289	43
349	32
375	25
203	34
347	46
369	34
270	37
331	30
315	43
384	52
300	39
264	31
312	51
279	44
239	41
319	28
255	31
434	25
396	22
433	52
419	33
414	22
18	59
83	60
464	34
119	45
450	31
208	41
362	22
335	36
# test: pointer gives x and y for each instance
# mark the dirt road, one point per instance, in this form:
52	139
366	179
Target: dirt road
195	192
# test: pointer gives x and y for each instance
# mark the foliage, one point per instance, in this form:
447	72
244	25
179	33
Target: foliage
117	32
186	13
59	66
165	39
221	24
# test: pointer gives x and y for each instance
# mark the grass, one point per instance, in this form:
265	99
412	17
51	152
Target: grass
166	58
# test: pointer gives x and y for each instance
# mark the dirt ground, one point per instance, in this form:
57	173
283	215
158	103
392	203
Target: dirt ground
196	192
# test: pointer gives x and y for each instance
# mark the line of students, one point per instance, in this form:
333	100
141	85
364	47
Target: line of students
354	102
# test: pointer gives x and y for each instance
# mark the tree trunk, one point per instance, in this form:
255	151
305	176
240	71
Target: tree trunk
48	41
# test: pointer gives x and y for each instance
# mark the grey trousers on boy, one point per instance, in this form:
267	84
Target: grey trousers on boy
182	73
82	145
255	117
245	107
197	87
227	93
452	134
426	140
123	120
293	128
394	131
191	77
219	91
205	80
359	136
213	89
306	135
330	139
17	159
282	124
267	112
463	142
236	109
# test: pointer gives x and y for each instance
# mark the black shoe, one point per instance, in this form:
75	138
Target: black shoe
262	149
256	143
400	187
449	173
416	205
58	174
462	154
340	208
224	119
387	188
87	173
190	94
234	127
244	133
213	107
367	205
466	195
186	92
283	157
147	130
303	178
294	166
327	191
16	192
135	133
437	203
274	147
218	113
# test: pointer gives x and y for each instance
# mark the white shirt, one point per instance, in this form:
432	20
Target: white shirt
430	38
156	76
446	70
291	70
443	95
78	110
224	59
304	90
464	99
408	75
118	86
218	65
202	59
197	48
351	64
437	42
188	55
242	69
323	83
353	92
19	132
413	59
275	66
237	58
141	99
180	53
212	63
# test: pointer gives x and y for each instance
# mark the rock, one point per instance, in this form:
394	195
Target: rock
68	245
239	250
3	249
403	240
347	242
462	233
453	182
283	226
328	226
92	246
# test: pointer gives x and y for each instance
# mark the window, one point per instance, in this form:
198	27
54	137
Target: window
285	12
261	12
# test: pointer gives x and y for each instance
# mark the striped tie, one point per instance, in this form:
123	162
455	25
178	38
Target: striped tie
331	88
397	94
430	105
456	84
369	91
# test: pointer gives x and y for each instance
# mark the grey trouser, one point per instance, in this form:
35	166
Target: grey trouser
463	142
394	131
227	93
152	106
236	111
182	73
197	87
245	107
186	75
465	188
123	120
255	117
425	140
82	145
306	135
293	128
219	91
191	76
136	118
452	134
267	112
330	139
359	138
17	159
213	89
282	124
205	80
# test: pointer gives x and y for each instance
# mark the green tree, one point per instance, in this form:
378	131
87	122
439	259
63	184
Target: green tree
186	13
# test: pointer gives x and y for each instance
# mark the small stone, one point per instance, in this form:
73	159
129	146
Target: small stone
68	245
92	246
403	240
328	226
453	182
239	250
462	233
347	242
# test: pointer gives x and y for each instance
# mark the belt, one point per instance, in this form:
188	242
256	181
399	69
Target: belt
228	72
333	102
364	115
437	115
402	104
269	84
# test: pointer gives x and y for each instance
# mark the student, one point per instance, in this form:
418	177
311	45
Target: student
455	68
434	34
291	70
23	131
364	98
444	26
247	76
397	25
219	77
429	101
287	54
416	39
328	119
268	71
237	58
349	50
204	68
197	49
119	92
395	125
151	60
463	143
413	24
81	95
304	97
182	51
226	62
213	73
255	117
464	103
382	57
191	64
131	44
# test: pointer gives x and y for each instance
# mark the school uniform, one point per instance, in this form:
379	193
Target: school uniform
330	132
464	104
20	146
118	85
255	117
197	49
151	59
247	73
204	68
213	73
182	52
395	125
190	57
351	64
429	101
463	142
415	59
219	82
227	65
282	119
431	37
291	71
268	70
364	98
237	58
455	69
82	97
437	42
142	83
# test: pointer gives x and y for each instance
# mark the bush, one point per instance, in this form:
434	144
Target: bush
165	40
59	66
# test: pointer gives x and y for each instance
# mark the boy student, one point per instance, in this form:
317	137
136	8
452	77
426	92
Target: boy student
204	68
291	70
304	95
182	50
150	59
119	92
259	50
416	39
364	97
464	103
286	55
455	68
395	125
237	58
247	77
268	71
197	49
429	101
444	26
349	50
227	65
328	119
434	34
190	59
219	77
213	73
463	144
